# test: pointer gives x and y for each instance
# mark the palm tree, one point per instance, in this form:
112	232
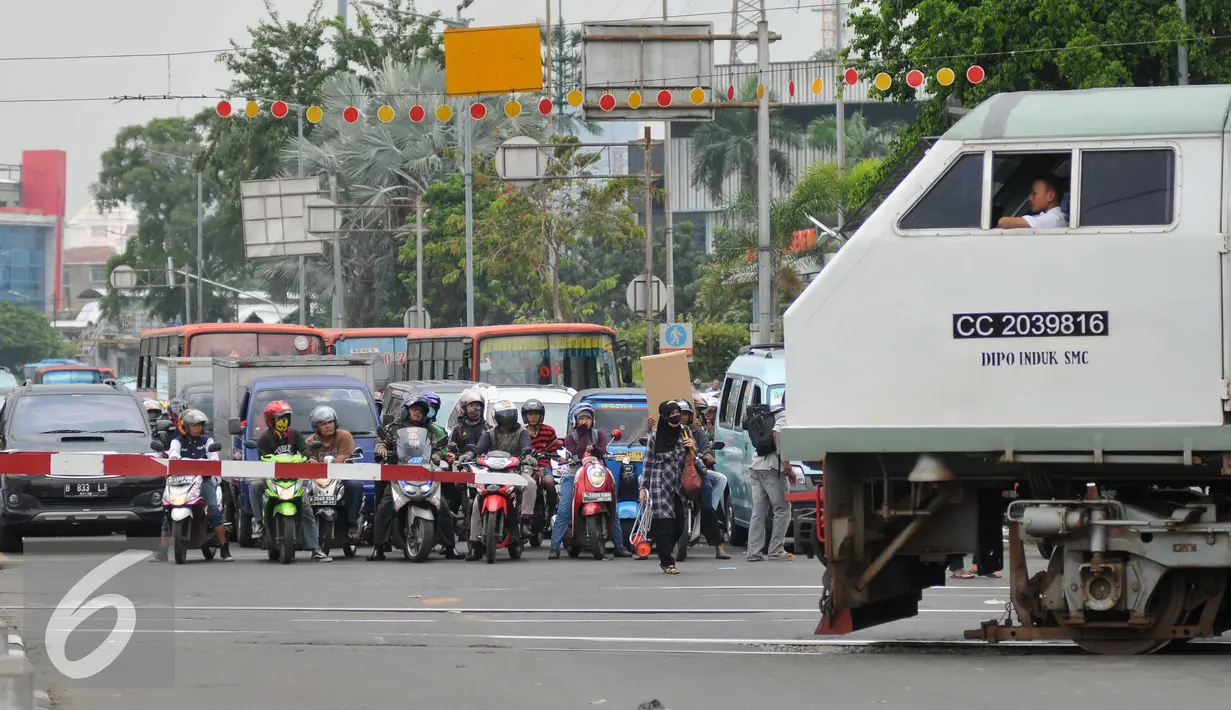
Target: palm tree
862	140
821	192
729	144
389	164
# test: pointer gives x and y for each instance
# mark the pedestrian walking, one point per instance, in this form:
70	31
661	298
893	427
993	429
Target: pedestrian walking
769	475
661	482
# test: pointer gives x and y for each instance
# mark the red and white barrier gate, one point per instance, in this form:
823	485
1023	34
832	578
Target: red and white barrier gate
40	463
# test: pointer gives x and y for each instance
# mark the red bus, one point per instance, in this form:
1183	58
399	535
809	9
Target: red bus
387	344
577	355
223	340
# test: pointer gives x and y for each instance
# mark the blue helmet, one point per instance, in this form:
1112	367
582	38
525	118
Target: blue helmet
579	409
433	401
419	401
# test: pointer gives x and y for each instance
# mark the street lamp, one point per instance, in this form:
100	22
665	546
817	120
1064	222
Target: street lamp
466	149
200	242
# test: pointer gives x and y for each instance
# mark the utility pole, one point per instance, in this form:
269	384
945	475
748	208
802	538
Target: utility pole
339	301
649	243
419	252
765	307
303	261
200	252
550	39
1182	50
469	224
669	226
840	109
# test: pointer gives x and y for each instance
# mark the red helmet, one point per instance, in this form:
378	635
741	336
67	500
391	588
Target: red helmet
274	410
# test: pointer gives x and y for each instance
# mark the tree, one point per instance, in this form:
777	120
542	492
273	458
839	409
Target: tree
163	190
28	337
566	63
862	140
384	165
821	192
729	144
547	219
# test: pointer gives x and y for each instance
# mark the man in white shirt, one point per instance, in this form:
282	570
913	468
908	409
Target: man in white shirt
1045	207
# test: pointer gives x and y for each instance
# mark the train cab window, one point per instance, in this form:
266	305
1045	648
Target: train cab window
1014	177
1127	187
954	202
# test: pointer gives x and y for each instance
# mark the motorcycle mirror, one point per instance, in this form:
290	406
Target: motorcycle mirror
250	444
358	453
386	418
214	447
719	445
157	446
617	435
315	445
163	425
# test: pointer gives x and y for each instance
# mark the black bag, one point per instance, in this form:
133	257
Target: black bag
759	425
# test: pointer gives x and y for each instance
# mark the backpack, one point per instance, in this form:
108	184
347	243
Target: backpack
759	425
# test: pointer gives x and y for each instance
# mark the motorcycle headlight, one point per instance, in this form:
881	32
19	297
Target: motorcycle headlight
286	493
322	482
493	488
410	487
425	487
179	500
597	477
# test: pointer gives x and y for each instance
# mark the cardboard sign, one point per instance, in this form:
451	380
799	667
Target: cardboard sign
666	377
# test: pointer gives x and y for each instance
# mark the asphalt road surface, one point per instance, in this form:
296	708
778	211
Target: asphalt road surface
578	633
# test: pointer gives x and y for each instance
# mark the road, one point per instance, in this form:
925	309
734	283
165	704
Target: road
543	634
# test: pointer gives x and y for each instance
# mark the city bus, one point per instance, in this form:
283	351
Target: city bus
63	372
387	344
225	340
577	355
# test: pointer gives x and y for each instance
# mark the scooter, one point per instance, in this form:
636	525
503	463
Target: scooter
594	505
416	502
498	504
538	527
329	506
281	505
184	503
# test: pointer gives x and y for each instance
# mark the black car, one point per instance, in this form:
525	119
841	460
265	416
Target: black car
94	418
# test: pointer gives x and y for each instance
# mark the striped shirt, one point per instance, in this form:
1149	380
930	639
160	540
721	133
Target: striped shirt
545	442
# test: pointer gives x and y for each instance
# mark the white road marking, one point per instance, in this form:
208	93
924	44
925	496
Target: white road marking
790	586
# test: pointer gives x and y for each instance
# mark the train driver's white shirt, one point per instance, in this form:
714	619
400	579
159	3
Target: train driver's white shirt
1051	219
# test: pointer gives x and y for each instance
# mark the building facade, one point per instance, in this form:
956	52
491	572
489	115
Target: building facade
31	229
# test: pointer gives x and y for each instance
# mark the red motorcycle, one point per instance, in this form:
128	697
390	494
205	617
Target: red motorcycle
594	507
499	520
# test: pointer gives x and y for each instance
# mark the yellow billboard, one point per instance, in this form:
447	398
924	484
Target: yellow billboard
493	60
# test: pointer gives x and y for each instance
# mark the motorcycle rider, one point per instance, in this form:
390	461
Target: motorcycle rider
415	413
508	436
584	440
340	444
279	438
470	425
545	442
191	443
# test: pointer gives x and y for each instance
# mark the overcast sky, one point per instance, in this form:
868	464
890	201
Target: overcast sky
43	28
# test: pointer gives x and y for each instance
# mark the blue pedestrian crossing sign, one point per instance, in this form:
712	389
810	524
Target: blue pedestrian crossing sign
675	337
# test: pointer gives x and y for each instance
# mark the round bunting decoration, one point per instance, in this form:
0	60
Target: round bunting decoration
512	108
664	98
817	85
280	109
444	112
975	74
945	76
350	114
417	113
223	108
574	98
851	77
607	102
545	106
478	110
883	81
634	99
730	92
914	78
314	114
385	113
252	109
697	95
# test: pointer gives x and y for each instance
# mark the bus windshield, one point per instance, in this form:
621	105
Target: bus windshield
390	354
632	419
66	377
577	360
241	344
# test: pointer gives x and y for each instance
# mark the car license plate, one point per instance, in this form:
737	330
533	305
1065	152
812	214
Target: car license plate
97	489
595	497
322	500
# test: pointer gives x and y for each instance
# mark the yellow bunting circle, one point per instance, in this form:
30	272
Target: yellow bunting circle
252	109
817	85
883	81
443	112
945	76
760	91
314	114
634	99
574	98
512	108
697	95
385	113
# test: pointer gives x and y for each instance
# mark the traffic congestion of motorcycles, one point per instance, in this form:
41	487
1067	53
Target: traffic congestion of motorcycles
422	518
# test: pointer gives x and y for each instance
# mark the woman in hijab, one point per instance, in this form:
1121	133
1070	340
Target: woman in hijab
661	482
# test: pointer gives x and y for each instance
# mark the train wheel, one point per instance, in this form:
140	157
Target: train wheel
1167	607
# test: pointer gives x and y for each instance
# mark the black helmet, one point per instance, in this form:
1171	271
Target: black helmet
422	402
531	406
505	414
685	406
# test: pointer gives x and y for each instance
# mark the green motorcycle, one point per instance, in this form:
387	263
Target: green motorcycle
282	500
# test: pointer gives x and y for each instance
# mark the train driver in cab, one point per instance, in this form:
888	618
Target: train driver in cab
1045	196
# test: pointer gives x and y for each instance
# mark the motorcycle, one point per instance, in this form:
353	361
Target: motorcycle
329	506
594	504
538	528
184	503
498	504
416	503
281	505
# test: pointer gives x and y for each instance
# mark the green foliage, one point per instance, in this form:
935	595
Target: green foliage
729	144
715	345
28	337
863	141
